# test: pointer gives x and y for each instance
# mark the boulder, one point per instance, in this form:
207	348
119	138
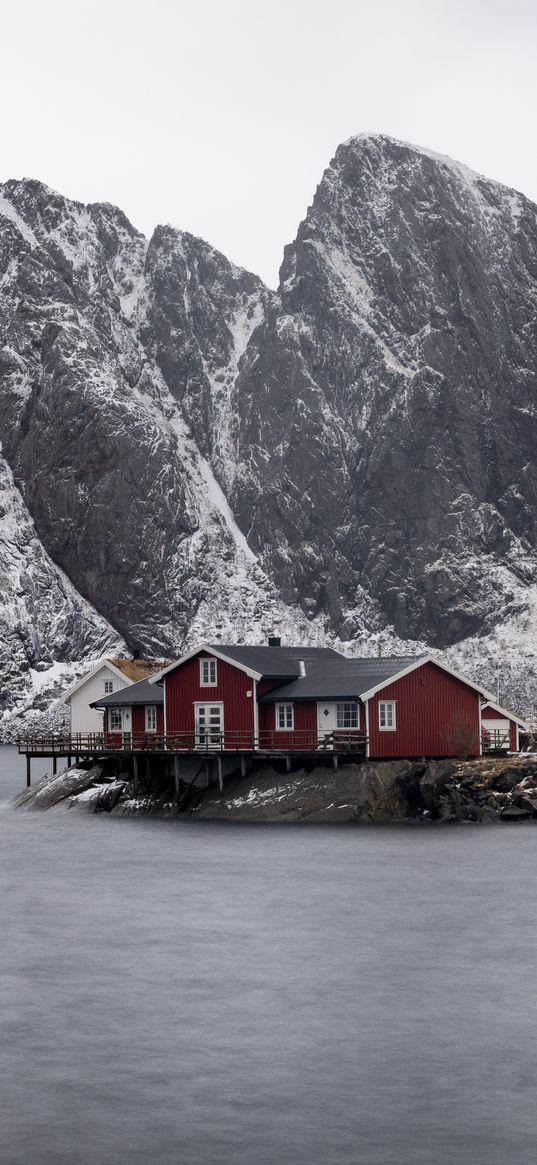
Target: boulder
434	781
514	813
506	780
55	789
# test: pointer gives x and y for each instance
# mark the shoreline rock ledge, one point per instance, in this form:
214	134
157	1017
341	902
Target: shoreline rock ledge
493	789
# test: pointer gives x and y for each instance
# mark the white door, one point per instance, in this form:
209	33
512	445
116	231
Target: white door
326	721
120	720
209	725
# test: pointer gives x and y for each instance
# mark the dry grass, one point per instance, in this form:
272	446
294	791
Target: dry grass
139	669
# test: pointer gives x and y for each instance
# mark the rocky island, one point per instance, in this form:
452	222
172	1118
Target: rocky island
492	789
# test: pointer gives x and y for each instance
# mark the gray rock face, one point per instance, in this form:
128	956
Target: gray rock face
396	383
201	456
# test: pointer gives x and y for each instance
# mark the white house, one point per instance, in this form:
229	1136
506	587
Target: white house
107	677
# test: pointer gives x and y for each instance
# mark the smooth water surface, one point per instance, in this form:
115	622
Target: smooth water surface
180	992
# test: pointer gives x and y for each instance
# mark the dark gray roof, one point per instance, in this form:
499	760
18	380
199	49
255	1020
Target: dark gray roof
341	678
276	662
141	693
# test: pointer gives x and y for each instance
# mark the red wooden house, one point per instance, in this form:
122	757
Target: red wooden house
292	700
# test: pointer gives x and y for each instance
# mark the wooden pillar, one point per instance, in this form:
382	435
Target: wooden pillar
334	760
28	771
220	774
176	776
288	763
54	765
68	762
243	765
135	769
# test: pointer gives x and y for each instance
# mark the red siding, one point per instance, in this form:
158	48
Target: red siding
304	734
183	690
138	719
435	712
139	735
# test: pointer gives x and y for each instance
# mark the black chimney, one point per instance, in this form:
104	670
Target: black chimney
274	641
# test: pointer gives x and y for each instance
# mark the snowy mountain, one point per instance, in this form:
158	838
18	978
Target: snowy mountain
347	459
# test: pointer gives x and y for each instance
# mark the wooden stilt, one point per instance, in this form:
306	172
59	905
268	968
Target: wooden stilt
54	765
135	771
68	762
335	759
176	774
243	765
288	763
220	774
28	771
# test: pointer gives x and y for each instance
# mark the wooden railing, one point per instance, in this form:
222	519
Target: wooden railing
301	740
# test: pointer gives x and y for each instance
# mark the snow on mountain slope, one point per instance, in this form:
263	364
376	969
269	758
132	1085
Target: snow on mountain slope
46	628
348	460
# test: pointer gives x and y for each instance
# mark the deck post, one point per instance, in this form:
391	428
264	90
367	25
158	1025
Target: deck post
135	771
28	770
243	765
220	774
68	762
335	759
288	763
176	776
54	765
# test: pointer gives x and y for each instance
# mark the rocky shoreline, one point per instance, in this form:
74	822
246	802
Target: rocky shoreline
499	789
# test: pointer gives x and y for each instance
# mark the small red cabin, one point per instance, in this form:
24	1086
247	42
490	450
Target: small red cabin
500	729
133	717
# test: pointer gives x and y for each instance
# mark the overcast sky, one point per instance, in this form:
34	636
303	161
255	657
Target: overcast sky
219	116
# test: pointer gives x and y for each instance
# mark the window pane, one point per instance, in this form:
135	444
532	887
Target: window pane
347	716
284	715
387	714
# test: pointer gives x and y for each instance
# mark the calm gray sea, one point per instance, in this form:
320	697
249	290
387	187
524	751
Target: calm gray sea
177	993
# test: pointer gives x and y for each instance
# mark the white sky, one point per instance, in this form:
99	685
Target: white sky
220	117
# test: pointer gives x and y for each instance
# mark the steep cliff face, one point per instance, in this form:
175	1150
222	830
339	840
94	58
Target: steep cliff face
118	361
397	382
350	454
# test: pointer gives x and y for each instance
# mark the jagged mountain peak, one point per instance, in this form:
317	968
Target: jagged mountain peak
347	458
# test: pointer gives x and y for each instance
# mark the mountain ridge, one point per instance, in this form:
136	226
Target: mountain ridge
333	459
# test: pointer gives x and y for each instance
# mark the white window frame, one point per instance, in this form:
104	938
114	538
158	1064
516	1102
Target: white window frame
285	727
212	671
392	705
108	687
115	712
347	704
153	709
